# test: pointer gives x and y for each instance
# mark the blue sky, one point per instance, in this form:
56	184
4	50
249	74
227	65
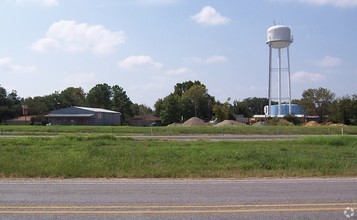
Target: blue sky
147	46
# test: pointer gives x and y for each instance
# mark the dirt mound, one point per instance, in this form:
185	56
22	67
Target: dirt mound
174	124
259	123
283	122
311	123
338	125
194	121
230	123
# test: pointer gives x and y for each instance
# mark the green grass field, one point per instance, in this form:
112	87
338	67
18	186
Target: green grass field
176	130
98	156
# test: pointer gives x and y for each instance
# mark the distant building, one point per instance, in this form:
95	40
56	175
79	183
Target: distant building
284	110
83	116
295	109
22	120
242	119
145	120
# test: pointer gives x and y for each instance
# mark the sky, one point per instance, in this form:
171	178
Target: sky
147	46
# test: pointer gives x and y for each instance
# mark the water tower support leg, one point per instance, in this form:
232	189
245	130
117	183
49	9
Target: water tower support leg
289	83
269	89
279	83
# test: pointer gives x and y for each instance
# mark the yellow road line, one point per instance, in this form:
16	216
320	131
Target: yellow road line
171	211
117	210
180	207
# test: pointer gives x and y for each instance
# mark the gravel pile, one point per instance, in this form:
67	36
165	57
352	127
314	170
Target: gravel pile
259	123
230	123
194	121
311	123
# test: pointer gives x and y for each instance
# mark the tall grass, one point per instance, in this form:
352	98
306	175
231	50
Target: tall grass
106	156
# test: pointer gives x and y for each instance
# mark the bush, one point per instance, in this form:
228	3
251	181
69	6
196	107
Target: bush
38	120
280	122
293	119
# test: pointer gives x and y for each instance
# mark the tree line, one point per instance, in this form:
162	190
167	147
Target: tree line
188	99
100	96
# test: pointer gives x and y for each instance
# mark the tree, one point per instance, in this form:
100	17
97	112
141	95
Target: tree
72	97
222	111
317	102
52	102
240	108
10	106
256	105
354	109
110	97
250	106
99	96
170	111
197	102
37	105
159	107
195	95
193	100
344	110
3	94
141	109
121	102
181	88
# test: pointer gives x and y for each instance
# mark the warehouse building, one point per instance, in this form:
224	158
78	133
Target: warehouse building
83	116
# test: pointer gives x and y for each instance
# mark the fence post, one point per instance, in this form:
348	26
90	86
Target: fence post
342	130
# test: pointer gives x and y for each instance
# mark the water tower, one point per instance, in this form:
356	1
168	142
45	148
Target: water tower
279	37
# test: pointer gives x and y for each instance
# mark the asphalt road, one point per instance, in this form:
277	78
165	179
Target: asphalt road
177	199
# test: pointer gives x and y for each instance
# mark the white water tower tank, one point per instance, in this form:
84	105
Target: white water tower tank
279	36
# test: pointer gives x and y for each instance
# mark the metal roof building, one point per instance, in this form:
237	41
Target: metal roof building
84	116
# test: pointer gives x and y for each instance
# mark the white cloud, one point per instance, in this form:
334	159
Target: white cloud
329	61
6	64
79	79
257	88
209	60
134	62
215	59
47	3
23	69
83	80
335	3
179	72
304	77
209	16
5	61
155	2
148	87
73	37
46	44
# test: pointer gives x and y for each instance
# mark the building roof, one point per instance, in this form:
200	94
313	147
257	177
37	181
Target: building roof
70	115
76	111
96	109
